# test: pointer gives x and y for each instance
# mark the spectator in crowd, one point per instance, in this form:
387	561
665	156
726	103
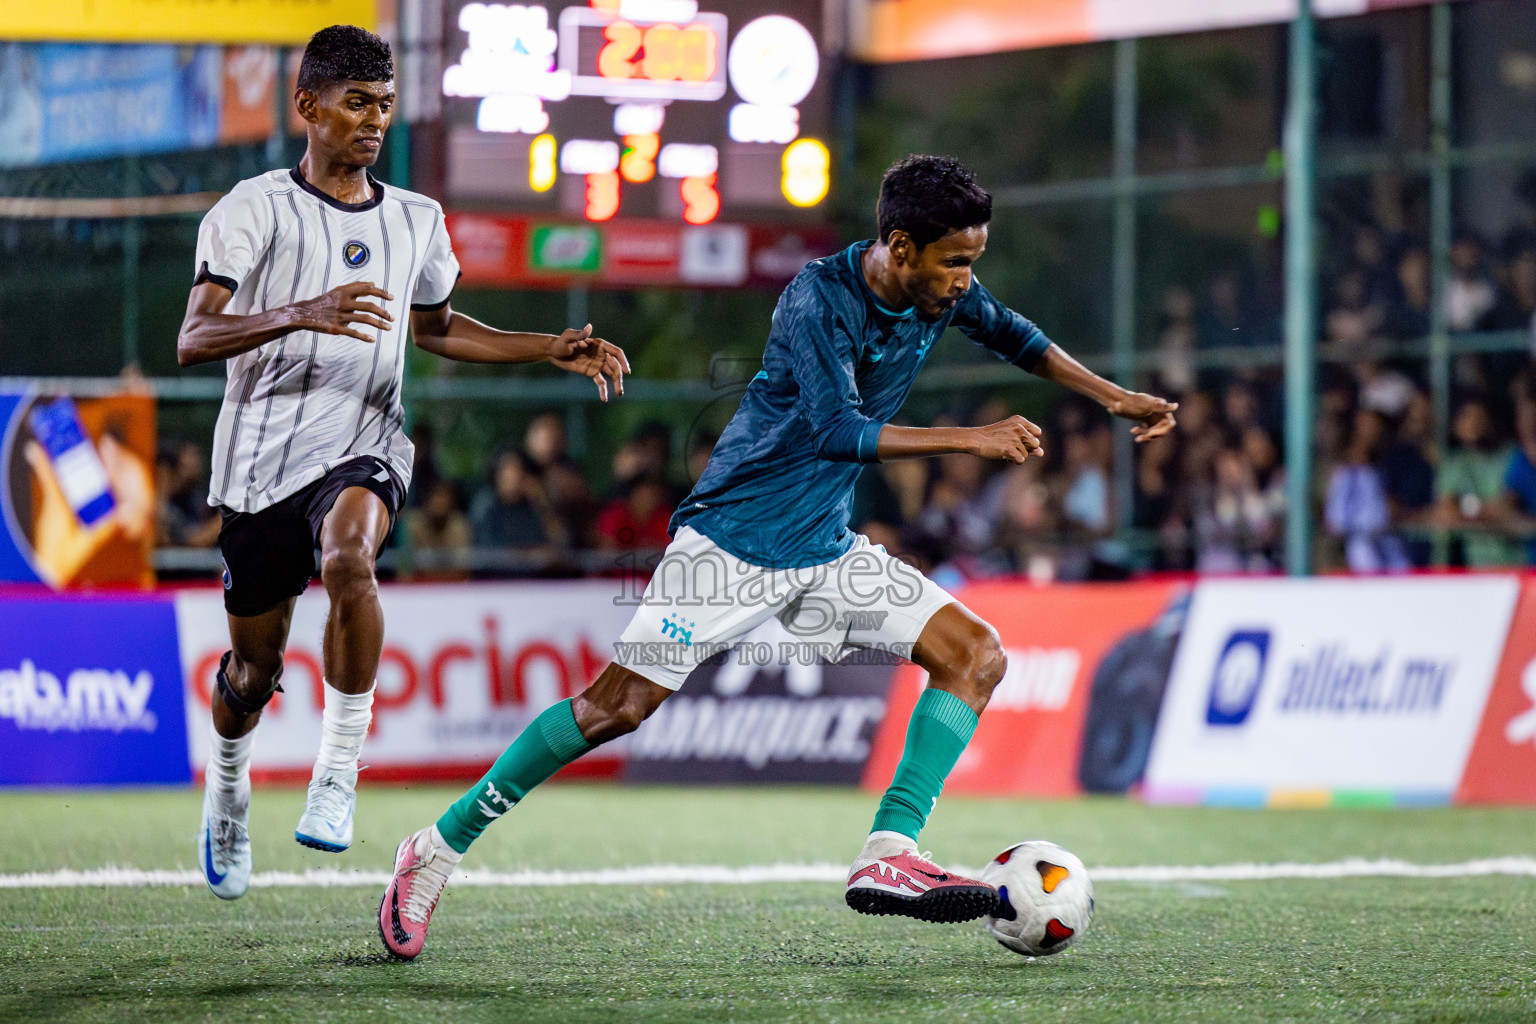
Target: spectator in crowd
961	512
1370	259
1352	318
1407	316
1520	476
439	530
1029	534
1472	497
1408	475
1470	293
637	516
1516	308
183	517
560	480
1177	338
1356	510
513	512
1235	527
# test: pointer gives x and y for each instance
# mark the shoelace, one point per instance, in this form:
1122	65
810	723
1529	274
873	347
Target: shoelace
228	835
330	798
431	877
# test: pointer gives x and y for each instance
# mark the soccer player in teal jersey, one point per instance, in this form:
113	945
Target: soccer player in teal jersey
765	533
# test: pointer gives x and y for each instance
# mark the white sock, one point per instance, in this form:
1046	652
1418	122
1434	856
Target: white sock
445	851
887	844
345	724
228	775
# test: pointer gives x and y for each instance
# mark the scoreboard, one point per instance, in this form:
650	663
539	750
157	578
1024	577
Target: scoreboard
669	110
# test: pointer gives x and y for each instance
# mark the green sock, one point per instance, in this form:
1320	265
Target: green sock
940	728
550	742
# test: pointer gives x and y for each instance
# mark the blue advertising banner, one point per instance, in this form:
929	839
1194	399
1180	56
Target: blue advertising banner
68	101
90	693
15	547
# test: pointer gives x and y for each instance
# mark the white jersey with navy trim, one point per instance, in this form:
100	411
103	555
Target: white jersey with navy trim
298	406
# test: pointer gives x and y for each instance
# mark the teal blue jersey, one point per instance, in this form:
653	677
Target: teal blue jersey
778	489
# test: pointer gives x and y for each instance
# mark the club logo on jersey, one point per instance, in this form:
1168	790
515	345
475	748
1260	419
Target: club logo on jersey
355	254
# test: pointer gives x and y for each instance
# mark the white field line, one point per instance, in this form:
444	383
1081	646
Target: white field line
711	874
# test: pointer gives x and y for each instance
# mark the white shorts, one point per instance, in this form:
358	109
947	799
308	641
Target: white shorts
702	599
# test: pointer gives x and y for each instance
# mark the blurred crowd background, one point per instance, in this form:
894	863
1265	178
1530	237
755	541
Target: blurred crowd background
1209	499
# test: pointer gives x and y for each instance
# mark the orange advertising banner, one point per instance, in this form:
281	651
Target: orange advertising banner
901	30
1075	712
246	111
1502	765
897	30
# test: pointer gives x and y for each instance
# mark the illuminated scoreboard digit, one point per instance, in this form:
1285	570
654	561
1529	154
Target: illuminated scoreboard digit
637	108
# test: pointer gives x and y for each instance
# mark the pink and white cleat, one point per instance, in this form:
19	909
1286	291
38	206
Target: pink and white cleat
423	863
911	885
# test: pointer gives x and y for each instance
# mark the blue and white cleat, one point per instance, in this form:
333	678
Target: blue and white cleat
327	820
224	847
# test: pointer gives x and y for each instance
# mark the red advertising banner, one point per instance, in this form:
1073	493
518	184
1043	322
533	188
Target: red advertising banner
1071	648
508	252
1502	765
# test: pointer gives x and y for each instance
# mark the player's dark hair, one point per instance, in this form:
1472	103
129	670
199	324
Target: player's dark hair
345	53
928	197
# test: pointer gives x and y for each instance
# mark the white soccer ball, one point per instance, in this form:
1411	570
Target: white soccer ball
1044	898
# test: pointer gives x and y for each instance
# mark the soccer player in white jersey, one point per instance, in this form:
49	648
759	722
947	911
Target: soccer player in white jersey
306	279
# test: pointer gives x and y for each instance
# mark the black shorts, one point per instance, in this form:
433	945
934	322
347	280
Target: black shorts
269	556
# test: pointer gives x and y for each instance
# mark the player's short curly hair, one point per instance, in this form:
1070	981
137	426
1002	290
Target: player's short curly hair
928	197
345	53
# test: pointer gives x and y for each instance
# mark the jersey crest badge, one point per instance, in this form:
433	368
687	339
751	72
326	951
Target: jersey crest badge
355	254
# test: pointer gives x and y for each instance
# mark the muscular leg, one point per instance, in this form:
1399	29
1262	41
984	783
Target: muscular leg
350	537
251	671
961	655
615	704
257	643
965	662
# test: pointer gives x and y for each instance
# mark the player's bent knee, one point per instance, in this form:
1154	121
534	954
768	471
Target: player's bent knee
347	571
247	684
991	665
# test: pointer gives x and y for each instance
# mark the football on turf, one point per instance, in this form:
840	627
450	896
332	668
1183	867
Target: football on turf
1044	898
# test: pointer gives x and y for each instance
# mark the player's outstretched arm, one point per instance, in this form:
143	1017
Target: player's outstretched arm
209	334
1153	416
1011	440
453	335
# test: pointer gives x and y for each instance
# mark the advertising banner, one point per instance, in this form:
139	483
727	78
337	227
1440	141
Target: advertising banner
180	21
465	668
503	251
1317	691
765	712
76	490
1084	653
90	693
898	30
1502	765
70	101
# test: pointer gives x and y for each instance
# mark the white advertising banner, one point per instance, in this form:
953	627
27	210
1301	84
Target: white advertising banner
465	667
1285	690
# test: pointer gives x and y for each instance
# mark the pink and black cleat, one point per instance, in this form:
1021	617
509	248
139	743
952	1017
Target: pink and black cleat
422	867
914	886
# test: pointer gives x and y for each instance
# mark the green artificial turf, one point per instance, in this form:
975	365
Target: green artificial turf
1373	949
